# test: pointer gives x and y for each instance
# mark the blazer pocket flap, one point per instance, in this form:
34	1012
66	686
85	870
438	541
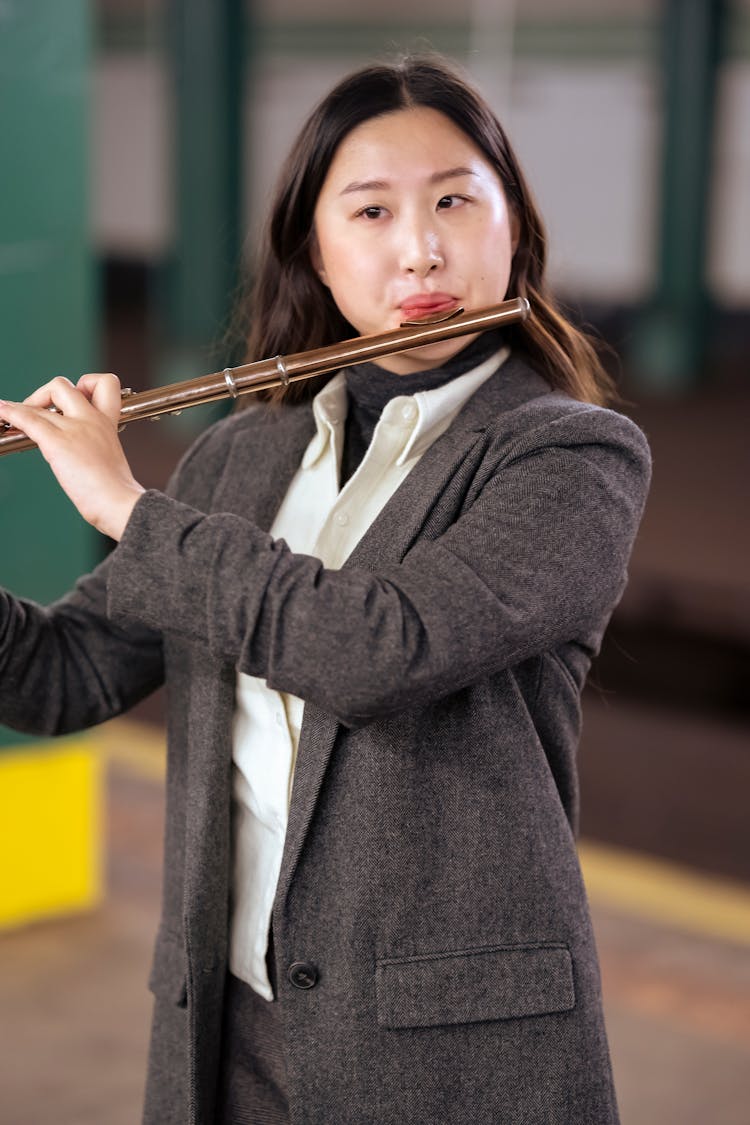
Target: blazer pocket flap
168	977
469	986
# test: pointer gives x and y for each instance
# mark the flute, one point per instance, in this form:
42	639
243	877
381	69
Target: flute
280	370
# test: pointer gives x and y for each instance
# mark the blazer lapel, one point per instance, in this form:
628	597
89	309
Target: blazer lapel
386	542
254	480
422	502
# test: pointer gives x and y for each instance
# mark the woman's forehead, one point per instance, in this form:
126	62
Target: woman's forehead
417	142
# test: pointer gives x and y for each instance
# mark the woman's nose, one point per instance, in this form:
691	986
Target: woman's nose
420	250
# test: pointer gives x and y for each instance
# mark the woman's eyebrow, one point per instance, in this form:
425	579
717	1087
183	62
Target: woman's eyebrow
365	185
451	173
383	185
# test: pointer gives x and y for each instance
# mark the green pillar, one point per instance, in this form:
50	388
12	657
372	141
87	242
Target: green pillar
205	44
46	281
670	342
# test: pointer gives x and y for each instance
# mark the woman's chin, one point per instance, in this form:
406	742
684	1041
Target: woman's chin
422	359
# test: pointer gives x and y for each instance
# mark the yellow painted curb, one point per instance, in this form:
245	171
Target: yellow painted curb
666	893
50	830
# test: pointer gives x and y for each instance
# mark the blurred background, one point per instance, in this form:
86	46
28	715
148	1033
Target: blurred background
140	142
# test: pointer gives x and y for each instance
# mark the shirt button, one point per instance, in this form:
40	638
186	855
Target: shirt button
303	974
408	413
341	518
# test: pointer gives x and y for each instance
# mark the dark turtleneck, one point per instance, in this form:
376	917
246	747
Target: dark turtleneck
369	388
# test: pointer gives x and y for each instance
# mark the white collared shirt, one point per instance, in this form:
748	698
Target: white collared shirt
315	518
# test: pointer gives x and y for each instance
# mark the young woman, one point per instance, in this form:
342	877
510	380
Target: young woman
374	610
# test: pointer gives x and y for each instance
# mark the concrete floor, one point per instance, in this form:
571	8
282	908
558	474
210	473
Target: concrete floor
75	1009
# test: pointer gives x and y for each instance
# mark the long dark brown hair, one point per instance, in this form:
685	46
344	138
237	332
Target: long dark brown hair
291	310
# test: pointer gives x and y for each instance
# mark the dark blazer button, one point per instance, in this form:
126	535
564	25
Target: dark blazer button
303	974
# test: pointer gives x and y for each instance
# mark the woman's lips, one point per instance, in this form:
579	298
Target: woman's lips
427	304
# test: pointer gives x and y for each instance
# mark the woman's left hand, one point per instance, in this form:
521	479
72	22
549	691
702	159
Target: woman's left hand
78	438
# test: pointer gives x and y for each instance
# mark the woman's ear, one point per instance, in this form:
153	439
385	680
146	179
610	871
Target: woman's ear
317	260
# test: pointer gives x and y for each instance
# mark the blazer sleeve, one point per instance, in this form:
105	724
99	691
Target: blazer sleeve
66	666
538	558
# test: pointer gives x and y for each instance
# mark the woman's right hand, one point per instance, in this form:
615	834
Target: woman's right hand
75	428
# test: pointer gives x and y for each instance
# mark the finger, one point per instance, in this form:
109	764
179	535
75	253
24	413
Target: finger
60	394
29	420
103	391
6	408
44	396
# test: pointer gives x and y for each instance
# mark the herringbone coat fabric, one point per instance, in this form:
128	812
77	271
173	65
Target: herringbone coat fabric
430	873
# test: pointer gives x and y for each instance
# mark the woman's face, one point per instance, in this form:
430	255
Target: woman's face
412	220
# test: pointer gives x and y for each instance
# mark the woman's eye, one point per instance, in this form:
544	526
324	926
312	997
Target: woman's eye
448	201
371	212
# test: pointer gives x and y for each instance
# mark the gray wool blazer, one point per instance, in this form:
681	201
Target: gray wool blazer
429	882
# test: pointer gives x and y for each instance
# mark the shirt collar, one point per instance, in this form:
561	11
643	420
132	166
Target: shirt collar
437	408
329	411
